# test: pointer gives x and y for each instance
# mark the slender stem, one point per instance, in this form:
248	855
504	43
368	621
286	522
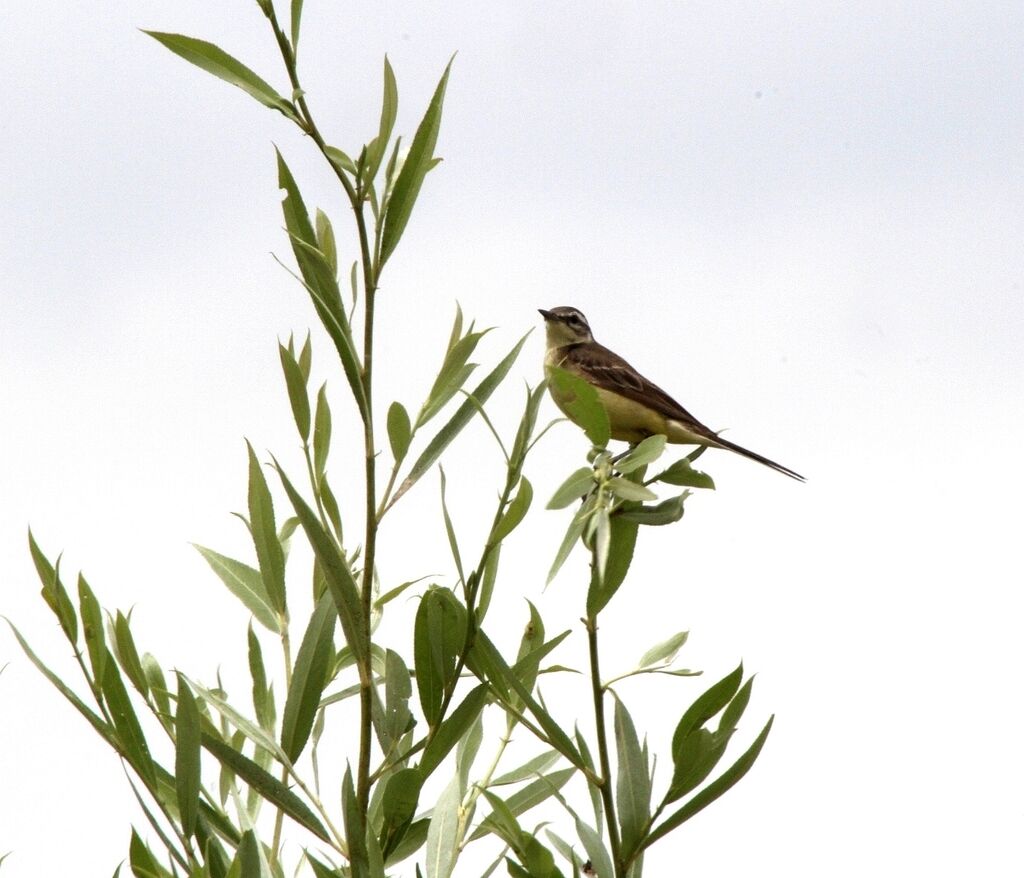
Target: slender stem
478	788
356	198
602	746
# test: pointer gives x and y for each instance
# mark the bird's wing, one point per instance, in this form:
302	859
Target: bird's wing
609	371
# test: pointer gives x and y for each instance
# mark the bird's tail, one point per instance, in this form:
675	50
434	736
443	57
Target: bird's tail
753	455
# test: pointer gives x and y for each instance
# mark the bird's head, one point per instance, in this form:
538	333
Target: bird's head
566	326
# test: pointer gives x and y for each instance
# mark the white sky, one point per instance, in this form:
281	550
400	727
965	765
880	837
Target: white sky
803	220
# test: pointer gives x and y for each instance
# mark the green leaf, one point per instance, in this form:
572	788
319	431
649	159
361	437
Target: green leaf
128	655
466	751
463	415
592	789
320	281
325	241
451	731
622	542
336	570
713	790
305	356
92	627
243	724
142	861
641	455
694	759
412	840
572	534
321	432
439	634
529	797
710	702
308	678
486	656
667	512
577	485
663	653
579	400
627	490
222	65
731	715
399	430
395	592
683	474
398	804
388	112
515	513
53	591
296	22
264	535
397	691
597	853
537	765
157	684
95	721
296	391
442	834
262	694
126	723
410	178
268	786
633	784
244	583
453	542
354	829
454	373
487	582
187	739
249	856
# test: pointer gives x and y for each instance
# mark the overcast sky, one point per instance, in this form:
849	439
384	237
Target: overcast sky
803	220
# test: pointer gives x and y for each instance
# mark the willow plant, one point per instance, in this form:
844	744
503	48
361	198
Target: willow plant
242	778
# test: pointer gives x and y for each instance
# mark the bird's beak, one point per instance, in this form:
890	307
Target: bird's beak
545	314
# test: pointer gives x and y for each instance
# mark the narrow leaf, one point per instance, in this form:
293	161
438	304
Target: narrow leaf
574	487
244	583
222	65
308	678
667	512
459	420
633	785
683	474
410	178
266	785
264	535
296	23
620	555
336	570
296	384
713	790
130	733
664	652
443	830
515	513
641	455
187	739
399	430
321	432
451	731
92	627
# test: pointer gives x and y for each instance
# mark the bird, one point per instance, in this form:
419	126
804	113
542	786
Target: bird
637	408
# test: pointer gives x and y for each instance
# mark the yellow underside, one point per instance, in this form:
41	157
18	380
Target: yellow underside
632	422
